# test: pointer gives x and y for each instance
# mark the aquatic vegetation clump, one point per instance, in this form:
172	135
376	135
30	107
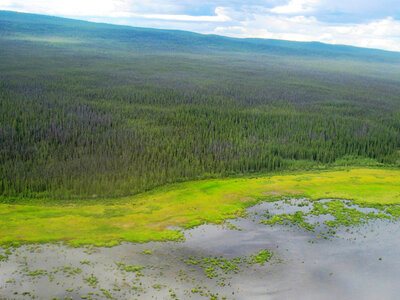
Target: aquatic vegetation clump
261	257
35	273
130	268
70	270
298	219
92	281
215	267
330	214
393	210
344	214
3	257
106	294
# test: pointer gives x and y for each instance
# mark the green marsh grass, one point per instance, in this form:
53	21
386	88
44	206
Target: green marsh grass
155	215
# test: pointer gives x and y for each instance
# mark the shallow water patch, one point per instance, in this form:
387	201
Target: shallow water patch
229	261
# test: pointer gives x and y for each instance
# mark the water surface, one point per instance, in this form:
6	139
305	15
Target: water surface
358	263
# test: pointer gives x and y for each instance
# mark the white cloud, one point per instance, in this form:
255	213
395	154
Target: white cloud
295	7
67	7
110	9
299	20
384	34
220	16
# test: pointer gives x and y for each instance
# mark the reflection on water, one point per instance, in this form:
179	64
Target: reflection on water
362	263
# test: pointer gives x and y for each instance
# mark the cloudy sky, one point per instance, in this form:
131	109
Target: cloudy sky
366	23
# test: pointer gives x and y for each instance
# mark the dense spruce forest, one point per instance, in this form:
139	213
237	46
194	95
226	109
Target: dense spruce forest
94	110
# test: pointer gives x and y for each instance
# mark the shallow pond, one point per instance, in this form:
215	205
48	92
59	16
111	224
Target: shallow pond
217	262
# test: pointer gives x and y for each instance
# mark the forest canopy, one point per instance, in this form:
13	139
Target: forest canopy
95	110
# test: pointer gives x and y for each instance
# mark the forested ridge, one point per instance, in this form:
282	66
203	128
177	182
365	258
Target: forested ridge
94	110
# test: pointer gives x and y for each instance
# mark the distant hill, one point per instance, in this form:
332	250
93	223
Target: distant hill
13	23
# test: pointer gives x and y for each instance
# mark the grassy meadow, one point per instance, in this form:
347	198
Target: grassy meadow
154	215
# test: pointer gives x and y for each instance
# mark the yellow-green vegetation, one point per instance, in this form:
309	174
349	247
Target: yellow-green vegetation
215	267
343	213
92	281
151	215
129	268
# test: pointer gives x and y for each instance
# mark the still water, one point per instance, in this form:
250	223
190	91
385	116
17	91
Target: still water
358	263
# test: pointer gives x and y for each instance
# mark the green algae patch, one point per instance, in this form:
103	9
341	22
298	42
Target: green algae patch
159	214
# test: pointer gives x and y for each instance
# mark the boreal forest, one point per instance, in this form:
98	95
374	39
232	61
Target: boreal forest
93	110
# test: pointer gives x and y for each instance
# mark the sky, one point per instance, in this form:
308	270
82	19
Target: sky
364	23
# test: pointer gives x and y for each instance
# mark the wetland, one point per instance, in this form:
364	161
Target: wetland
283	246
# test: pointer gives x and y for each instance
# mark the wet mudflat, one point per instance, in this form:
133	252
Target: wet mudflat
296	257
